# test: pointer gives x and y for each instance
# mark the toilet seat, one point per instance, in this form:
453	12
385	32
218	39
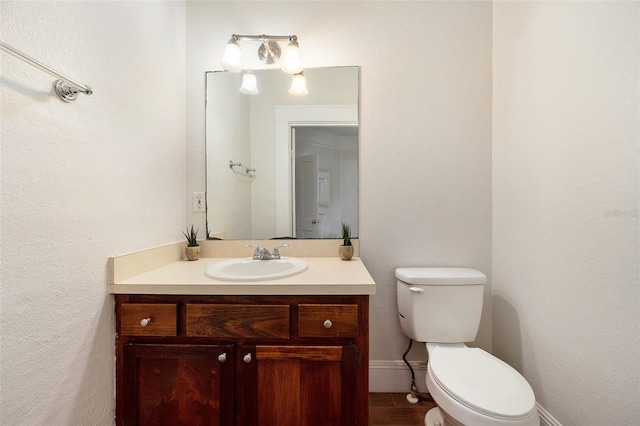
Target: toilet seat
481	382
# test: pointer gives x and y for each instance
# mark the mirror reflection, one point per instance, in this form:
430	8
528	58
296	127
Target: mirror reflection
279	165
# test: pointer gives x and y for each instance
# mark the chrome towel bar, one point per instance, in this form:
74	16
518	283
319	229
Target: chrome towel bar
247	170
67	89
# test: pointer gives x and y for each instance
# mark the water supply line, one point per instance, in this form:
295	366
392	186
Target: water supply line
412	397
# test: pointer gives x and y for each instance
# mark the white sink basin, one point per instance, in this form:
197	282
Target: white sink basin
247	269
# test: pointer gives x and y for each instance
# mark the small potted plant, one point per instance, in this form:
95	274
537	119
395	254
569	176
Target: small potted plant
193	248
346	249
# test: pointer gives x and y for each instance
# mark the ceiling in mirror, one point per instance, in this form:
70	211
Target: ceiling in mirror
278	165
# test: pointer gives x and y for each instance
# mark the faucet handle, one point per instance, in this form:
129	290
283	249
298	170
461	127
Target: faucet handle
276	254
256	253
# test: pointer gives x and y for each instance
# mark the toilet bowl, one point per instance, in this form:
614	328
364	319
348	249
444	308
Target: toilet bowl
474	388
442	307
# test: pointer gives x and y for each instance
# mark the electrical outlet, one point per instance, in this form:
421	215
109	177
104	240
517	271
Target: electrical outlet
198	202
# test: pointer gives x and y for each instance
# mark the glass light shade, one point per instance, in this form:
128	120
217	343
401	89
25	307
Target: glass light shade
232	58
249	84
291	62
298	85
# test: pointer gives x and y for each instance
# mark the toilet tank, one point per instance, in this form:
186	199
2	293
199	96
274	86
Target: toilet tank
440	305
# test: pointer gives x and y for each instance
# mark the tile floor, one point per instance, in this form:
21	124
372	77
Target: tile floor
393	409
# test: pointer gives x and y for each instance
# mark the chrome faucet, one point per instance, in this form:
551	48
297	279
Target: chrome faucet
262	253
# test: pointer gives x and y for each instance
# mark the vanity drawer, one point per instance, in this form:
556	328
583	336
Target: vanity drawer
327	320
148	319
238	321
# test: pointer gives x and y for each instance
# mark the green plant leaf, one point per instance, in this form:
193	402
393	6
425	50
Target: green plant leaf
346	234
191	235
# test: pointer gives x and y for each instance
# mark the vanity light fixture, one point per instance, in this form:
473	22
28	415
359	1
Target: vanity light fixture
269	52
249	84
232	58
291	61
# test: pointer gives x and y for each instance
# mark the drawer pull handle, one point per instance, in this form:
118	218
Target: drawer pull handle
145	322
247	358
327	324
222	357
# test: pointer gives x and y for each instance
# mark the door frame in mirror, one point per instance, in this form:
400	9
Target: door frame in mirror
287	117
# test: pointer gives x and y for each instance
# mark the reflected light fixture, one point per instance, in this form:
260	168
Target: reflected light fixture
269	52
298	85
249	84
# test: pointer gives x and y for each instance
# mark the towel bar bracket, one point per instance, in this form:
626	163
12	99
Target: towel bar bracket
67	92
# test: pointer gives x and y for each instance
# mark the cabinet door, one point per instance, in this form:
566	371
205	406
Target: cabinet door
178	384
298	385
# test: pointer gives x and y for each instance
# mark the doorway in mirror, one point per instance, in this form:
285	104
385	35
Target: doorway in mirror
324	155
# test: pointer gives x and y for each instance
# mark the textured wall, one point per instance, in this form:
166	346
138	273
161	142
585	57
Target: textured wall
425	141
106	175
565	196
81	182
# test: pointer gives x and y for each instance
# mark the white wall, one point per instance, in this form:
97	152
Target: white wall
80	182
228	189
425	155
565	195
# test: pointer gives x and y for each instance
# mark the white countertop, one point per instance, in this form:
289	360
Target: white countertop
324	276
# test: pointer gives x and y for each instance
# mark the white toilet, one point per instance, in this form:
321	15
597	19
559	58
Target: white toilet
442	307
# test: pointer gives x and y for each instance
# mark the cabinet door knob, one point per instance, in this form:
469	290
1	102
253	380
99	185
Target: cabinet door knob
145	322
222	357
247	358
327	324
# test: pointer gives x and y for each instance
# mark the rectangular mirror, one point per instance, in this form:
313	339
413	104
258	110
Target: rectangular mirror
278	165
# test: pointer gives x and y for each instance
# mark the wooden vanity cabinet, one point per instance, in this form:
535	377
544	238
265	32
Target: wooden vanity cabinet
242	360
165	384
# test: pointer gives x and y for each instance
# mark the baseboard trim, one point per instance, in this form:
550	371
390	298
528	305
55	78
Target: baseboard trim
395	376
546	419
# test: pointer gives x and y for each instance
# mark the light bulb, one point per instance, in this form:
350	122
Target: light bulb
291	62
298	85
232	58
249	84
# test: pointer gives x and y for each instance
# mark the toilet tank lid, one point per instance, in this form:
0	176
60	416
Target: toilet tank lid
440	276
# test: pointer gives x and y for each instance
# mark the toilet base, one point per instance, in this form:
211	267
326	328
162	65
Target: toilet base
434	418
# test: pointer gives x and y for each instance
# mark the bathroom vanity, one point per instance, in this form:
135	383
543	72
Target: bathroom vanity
193	350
